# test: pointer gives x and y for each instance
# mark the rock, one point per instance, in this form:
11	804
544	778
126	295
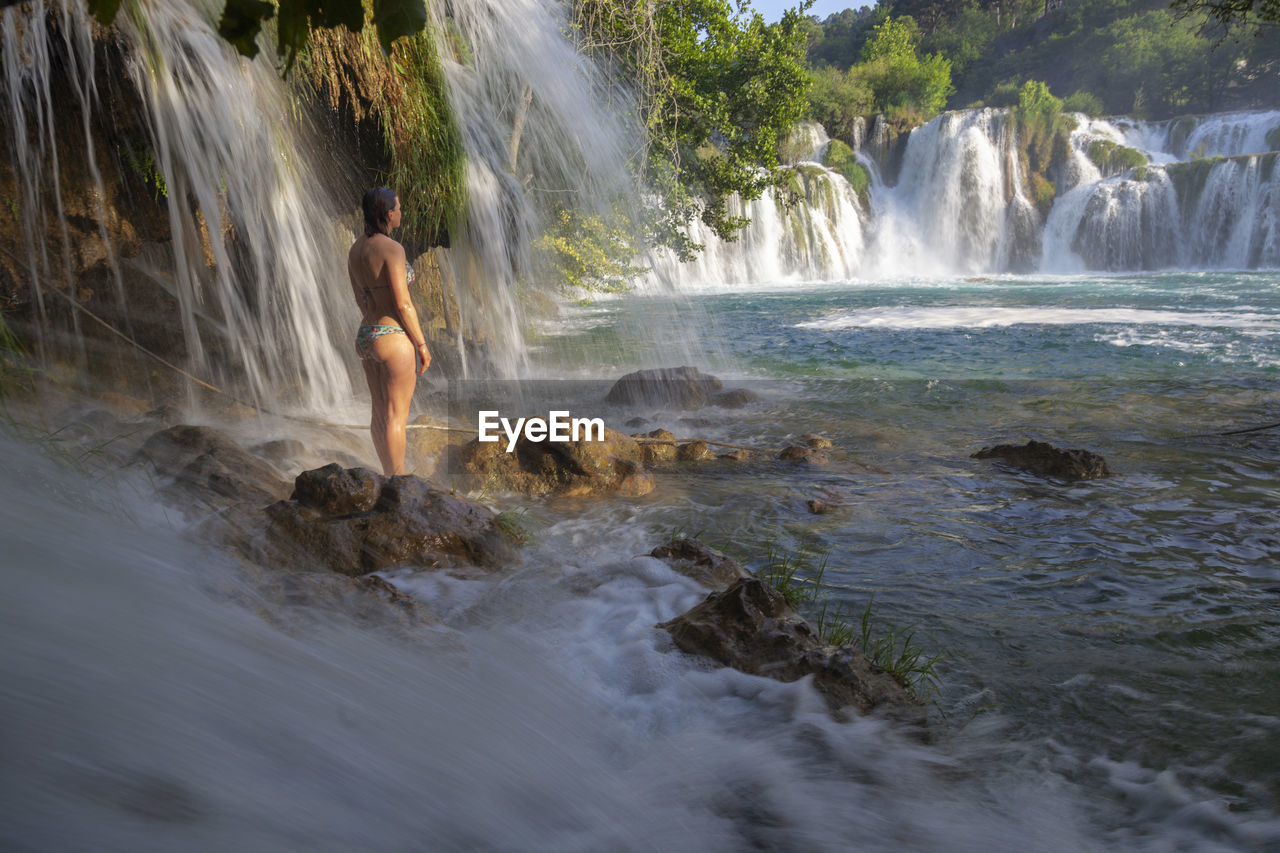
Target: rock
335	490
735	399
817	506
750	627
738	455
425	445
572	468
654	453
281	450
816	441
704	564
800	453
210	468
332	523
694	451
1045	460
637	423
669	387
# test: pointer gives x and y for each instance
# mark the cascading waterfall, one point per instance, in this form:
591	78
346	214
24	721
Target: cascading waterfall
960	207
254	254
522	95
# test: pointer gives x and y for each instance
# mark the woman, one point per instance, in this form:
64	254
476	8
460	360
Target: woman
390	342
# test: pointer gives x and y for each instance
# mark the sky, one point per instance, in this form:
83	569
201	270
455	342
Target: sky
773	9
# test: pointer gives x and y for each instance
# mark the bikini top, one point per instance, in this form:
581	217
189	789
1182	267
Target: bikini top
408	279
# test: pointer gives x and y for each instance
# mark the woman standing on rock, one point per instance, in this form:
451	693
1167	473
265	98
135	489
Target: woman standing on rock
390	342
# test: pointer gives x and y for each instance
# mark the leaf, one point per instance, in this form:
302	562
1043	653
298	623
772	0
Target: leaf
396	18
241	21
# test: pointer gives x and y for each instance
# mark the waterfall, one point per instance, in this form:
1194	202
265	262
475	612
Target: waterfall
541	135
256	268
960	207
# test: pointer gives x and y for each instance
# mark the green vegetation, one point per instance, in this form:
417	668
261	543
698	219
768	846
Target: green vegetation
898	76
718	89
840	158
1111	158
1044	134
799	579
1081	101
403	95
591	253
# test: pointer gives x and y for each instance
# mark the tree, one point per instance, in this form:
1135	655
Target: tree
896	73
1256	15
717	87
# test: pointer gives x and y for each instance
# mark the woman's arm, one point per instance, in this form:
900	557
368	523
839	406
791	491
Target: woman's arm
404	307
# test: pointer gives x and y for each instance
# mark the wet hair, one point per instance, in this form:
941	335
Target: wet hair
378	204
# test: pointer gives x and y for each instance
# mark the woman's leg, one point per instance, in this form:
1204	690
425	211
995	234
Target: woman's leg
396	376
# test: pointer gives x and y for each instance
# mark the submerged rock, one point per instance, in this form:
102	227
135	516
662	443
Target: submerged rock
209	468
1045	460
701	562
802	453
354	521
750	627
668	387
566	469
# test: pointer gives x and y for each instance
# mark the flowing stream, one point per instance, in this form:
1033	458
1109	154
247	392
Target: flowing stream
1108	672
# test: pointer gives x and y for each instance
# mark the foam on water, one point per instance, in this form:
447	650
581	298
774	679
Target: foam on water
994	316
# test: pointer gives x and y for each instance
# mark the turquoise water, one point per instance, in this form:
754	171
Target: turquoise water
1120	634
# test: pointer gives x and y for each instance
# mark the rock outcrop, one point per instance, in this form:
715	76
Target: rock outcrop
1045	460
354	521
703	563
567	469
750	627
684	388
209	469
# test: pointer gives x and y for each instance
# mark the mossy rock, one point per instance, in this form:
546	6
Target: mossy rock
1273	138
1043	192
1113	159
841	159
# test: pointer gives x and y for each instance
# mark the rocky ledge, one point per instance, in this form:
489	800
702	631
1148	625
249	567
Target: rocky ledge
1045	460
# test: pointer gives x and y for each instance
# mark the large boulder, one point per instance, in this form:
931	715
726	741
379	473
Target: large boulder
209	469
750	627
1045	460
684	388
354	521
572	468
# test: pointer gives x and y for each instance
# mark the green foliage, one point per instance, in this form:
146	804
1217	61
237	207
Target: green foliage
718	88
1111	158
242	20
908	664
1256	16
590	252
144	166
792	574
837	99
1081	101
897	75
1043	130
840	158
1043	192
404	94
518	525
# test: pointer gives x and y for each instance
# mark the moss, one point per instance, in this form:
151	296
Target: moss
1113	159
1043	192
1268	165
1273	138
1189	178
841	159
1180	130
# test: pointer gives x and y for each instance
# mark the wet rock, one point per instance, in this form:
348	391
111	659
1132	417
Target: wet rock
684	388
817	442
694	451
1045	460
281	450
750	627
738	455
800	453
209	468
735	399
660	448
331	524
703	563
582	467
636	423
817	506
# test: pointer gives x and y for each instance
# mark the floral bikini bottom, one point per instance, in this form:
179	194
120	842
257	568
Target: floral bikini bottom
370	333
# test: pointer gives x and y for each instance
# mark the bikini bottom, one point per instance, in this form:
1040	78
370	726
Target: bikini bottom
370	333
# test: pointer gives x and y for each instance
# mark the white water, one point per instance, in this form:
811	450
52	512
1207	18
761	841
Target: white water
157	699
960	207
254	253
988	317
